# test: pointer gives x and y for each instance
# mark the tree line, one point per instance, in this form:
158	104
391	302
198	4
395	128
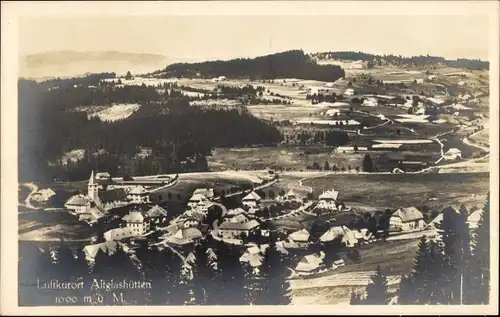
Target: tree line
421	60
290	64
452	271
211	274
175	131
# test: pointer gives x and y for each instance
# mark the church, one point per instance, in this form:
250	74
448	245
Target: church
98	195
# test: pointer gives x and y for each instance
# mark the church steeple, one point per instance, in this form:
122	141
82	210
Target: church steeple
93	189
91	180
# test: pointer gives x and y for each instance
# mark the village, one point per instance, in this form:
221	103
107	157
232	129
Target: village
357	171
133	218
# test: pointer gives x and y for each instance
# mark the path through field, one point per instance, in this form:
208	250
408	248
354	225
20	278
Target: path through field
27	202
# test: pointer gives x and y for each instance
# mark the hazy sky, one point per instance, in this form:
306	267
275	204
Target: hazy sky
208	37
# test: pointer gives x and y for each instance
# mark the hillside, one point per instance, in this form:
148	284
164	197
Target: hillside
290	64
74	63
381	60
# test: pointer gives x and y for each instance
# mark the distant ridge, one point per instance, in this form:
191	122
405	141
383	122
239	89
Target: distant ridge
76	63
421	60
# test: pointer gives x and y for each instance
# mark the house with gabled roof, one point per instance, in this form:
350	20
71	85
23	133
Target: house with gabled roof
310	263
233	230
333	233
251	200
137	221
328	200
408	218
92	215
138	194
78	203
300	237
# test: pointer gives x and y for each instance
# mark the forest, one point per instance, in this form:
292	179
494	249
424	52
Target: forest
454	271
50	125
421	60
290	64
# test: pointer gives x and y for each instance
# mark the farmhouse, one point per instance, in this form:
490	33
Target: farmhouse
310	263
233	230
207	192
405	219
333	112
118	234
251	200
328	200
370	102
301	237
138	194
92	215
198	201
43	195
453	154
349	149
78	203
184	236
333	233
349	92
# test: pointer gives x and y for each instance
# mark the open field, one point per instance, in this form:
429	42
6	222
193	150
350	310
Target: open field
49	225
334	287
298	158
399	190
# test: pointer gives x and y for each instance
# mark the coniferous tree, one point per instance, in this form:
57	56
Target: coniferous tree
376	291
368	164
274	274
406	291
479	288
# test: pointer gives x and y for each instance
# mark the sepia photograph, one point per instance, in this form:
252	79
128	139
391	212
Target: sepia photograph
247	154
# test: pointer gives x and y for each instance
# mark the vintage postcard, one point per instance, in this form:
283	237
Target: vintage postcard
250	157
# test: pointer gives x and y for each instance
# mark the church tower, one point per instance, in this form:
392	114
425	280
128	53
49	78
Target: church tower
93	190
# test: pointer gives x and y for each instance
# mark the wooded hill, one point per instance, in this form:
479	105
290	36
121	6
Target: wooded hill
421	60
290	64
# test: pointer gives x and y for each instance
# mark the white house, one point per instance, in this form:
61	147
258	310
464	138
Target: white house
102	175
329	85
328	199
333	112
78	203
453	154
207	192
43	195
349	92
251	200
349	149
420	80
310	263
349	239
221	78
138	194
197	200
333	233
370	102
137	222
92	215
233	230
118	234
431	77
301	237
409	218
